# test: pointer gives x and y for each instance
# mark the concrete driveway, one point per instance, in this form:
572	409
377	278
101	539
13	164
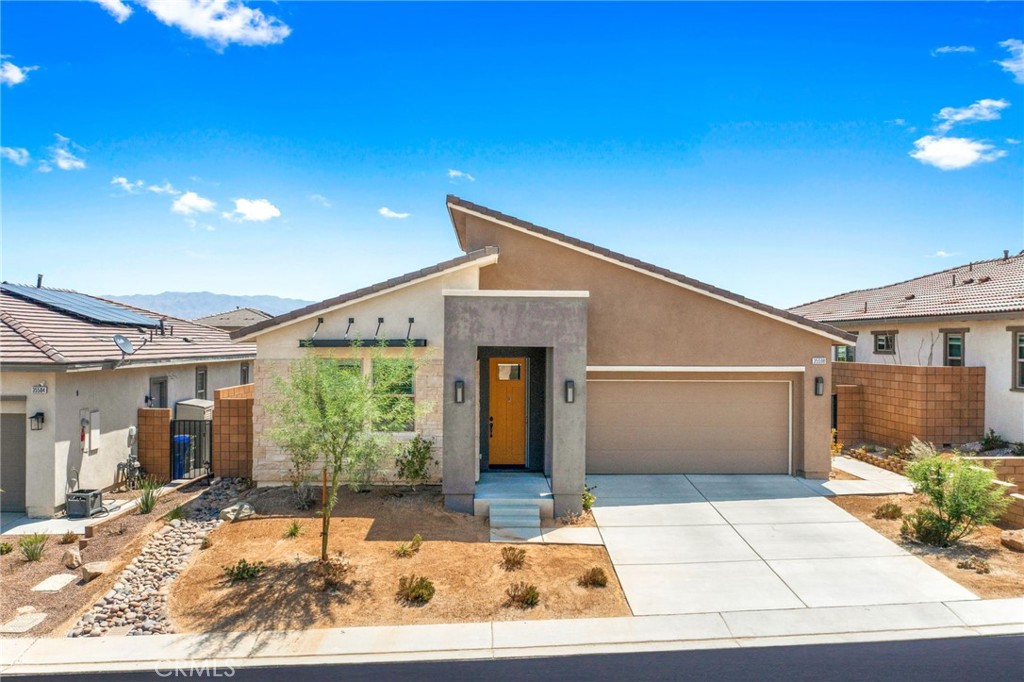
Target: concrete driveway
707	543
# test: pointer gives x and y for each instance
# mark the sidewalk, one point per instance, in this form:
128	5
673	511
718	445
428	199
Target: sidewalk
516	638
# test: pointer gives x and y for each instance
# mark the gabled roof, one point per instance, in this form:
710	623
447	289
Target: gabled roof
38	336
457	204
991	287
490	253
235	319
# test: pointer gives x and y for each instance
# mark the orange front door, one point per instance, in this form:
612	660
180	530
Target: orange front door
506	423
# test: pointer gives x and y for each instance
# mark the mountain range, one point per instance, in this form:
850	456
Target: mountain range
190	305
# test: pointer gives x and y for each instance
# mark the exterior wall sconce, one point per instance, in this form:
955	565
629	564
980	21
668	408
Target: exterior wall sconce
37	420
819	385
570	391
460	391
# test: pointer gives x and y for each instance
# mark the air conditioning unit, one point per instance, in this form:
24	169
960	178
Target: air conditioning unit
83	504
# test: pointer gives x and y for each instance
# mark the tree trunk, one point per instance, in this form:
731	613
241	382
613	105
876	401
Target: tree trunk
326	514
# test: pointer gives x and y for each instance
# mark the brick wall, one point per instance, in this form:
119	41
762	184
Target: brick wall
154	441
1010	469
897	402
232	431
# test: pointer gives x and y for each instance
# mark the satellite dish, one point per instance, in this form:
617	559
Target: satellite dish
124	344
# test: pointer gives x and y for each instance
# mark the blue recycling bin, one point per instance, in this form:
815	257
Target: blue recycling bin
182	448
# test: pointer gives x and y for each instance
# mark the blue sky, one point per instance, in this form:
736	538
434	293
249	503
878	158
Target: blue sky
763	148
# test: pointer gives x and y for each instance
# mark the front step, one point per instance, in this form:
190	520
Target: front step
514	516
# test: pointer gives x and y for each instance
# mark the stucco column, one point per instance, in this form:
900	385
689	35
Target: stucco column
459	464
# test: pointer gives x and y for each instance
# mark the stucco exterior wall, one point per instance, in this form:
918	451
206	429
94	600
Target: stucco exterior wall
988	344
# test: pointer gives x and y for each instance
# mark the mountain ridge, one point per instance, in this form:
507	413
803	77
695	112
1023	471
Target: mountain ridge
191	305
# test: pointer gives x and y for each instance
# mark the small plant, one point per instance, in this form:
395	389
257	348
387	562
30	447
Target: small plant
975	564
836	444
1017	449
333	571
522	595
571	518
888	510
294	530
32	546
413	589
147	495
413	463
587	497
243	570
918	449
6	548
69	538
121	529
176	514
593	577
922	525
407	549
512	558
993	441
207	543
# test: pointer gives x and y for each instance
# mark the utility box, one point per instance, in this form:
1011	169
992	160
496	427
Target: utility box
83	504
194	409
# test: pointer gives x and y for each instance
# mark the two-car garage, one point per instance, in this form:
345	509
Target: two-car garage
676	425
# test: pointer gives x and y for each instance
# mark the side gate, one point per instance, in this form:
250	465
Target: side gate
191	448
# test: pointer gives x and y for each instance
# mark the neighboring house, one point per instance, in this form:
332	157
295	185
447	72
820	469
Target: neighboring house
549	354
234	319
69	394
971	315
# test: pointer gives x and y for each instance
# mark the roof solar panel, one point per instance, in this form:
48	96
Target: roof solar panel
80	305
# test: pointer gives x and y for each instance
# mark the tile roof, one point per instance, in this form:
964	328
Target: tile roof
35	335
757	306
983	288
365	291
234	319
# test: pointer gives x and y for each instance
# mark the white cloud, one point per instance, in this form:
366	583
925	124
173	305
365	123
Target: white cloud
459	175
127	185
117	9
954	153
388	213
253	210
16	155
320	199
11	74
62	156
166	188
1015	64
44	167
942	254
219	22
982	110
190	203
1012	140
949	49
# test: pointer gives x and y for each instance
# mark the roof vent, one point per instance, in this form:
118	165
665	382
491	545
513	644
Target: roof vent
982	280
968	280
954	279
1006	254
909	297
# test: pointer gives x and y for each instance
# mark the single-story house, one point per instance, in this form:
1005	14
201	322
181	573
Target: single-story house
546	353
69	392
230	320
968	316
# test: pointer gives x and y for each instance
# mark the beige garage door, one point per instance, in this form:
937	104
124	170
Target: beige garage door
687	427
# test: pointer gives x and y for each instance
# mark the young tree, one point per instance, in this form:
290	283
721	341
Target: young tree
329	410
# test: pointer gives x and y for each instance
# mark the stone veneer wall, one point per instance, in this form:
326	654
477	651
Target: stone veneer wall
154	441
270	463
232	431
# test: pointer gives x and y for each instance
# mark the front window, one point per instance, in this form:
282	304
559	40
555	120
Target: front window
885	342
201	383
1019	364
954	352
396	378
846	354
244	375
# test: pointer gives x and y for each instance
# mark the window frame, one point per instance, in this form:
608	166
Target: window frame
203	372
245	373
1016	358
947	334
409	396
850	353
881	334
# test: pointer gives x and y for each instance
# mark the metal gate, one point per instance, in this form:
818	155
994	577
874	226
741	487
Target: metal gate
191	448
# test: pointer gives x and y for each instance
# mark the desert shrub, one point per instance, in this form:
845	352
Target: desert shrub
366	463
147	495
993	441
919	449
6	548
888	510
571	518
303	494
836	444
333	571
512	558
407	549
414	461
1017	449
593	577
176	514
207	543
32	546
119	529
961	496
294	530
69	538
975	564
522	595
243	570
413	589
587	497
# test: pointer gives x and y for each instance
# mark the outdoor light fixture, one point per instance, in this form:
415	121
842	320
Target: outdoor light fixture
37	420
570	391
819	385
460	391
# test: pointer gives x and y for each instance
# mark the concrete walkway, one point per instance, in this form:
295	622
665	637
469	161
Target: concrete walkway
723	543
776	627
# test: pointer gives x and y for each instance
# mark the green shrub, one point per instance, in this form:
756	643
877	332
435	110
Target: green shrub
961	497
993	441
975	564
593	577
69	538
522	595
147	495
207	543
243	570
294	530
176	514
1018	449
588	497
32	546
407	549
512	558
414	589
414	461
6	548
888	510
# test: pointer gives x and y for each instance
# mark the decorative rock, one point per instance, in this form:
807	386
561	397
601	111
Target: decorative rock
72	558
235	512
94	569
1012	539
175	523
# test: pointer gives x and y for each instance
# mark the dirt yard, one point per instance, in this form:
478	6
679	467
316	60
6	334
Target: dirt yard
116	540
1006	578
456	555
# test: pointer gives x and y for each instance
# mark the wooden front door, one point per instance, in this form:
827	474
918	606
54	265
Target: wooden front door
506	423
